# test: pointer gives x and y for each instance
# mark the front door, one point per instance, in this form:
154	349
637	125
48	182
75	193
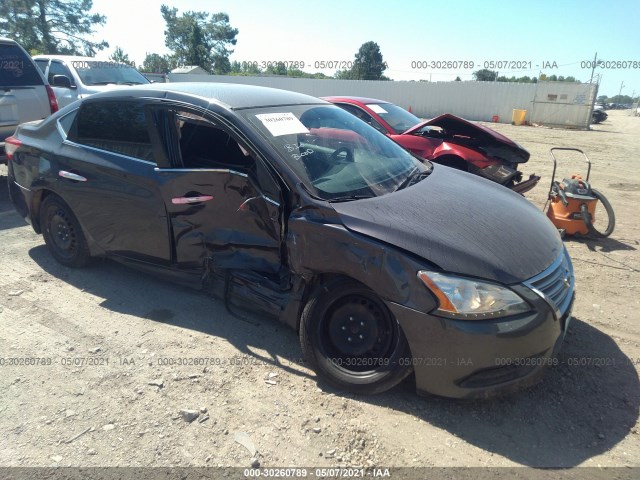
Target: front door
214	194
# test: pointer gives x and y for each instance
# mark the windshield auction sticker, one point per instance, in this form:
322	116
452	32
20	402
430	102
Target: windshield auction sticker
376	108
282	123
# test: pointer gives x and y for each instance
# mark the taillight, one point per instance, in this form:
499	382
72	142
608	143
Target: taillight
53	103
11	144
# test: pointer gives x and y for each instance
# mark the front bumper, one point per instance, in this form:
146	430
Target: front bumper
483	358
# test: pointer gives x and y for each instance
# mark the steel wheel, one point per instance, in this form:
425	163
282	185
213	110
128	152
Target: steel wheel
351	340
62	233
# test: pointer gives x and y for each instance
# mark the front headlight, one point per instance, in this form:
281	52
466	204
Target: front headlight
471	299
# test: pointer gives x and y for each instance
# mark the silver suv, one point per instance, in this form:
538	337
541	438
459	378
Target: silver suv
74	77
24	92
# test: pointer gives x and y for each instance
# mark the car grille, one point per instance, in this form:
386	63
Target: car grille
556	284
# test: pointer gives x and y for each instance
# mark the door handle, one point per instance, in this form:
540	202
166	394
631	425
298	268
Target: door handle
188	200
71	176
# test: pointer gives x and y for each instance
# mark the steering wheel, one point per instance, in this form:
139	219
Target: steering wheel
335	156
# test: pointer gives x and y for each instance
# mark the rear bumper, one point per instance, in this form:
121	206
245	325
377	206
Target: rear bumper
481	359
526	185
21	197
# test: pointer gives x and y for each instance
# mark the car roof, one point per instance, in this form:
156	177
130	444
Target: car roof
232	95
6	40
363	100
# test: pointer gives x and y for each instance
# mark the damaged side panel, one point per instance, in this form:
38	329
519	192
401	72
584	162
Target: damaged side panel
315	247
219	217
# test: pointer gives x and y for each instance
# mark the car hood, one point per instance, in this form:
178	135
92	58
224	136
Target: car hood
462	223
476	133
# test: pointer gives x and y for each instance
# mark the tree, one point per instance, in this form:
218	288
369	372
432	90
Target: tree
485	75
199	38
51	26
155	63
458	79
368	64
119	56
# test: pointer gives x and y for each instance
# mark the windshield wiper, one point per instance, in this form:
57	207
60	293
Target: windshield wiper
349	198
413	178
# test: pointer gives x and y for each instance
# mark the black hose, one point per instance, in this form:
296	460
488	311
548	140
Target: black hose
586	216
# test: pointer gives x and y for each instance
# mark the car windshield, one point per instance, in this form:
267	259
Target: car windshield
336	156
398	118
105	73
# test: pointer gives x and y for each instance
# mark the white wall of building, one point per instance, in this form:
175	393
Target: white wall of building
548	103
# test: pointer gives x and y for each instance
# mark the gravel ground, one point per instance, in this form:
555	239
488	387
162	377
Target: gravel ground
112	389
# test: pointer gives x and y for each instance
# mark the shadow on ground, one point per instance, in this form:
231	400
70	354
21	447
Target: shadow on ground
584	407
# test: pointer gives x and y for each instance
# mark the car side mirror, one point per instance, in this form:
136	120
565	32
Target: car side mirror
62	81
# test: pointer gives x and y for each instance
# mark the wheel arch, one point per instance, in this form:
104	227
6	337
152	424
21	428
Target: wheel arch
36	203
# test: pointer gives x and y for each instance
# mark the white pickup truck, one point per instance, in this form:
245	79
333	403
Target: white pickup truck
73	77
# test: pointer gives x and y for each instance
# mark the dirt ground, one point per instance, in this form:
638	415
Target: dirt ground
110	387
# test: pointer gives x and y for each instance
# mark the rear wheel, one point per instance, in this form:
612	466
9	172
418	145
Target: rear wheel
351	339
62	233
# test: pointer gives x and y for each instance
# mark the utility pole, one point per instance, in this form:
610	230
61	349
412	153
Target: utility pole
620	92
593	67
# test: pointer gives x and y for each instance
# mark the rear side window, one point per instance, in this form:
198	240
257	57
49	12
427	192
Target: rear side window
119	127
17	68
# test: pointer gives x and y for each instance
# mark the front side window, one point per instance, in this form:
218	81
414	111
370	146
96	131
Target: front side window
398	118
57	68
335	155
119	127
194	142
362	115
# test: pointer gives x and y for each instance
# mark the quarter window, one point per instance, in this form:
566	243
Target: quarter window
67	121
119	127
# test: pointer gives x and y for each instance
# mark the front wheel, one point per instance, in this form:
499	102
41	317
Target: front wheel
351	339
62	233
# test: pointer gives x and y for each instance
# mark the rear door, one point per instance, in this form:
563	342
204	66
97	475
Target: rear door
107	176
223	203
23	96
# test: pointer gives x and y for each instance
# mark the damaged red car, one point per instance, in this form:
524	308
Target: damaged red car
384	263
448	140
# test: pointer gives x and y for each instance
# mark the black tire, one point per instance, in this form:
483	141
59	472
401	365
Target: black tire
351	340
611	217
62	233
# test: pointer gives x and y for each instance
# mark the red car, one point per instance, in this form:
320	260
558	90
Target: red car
446	139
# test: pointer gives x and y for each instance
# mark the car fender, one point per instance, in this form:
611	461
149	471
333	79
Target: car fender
389	272
467	154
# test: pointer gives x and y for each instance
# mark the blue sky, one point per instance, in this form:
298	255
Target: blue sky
538	34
